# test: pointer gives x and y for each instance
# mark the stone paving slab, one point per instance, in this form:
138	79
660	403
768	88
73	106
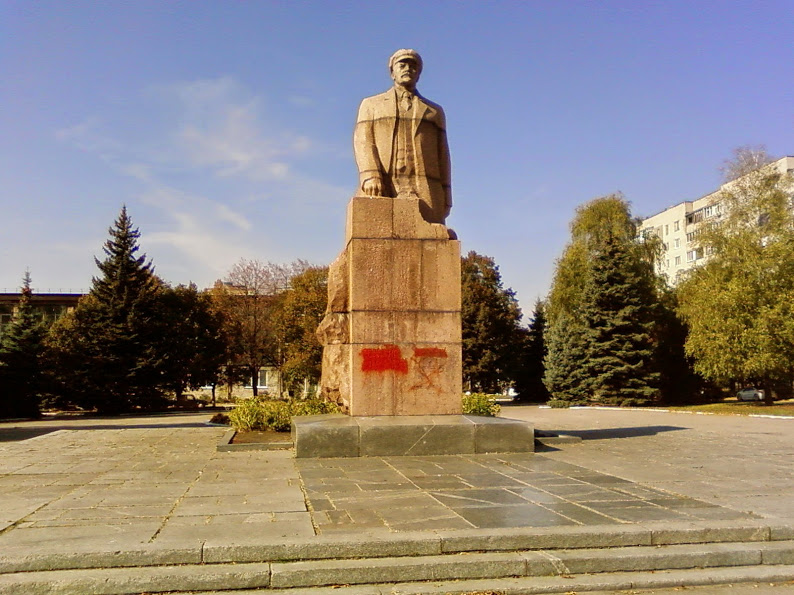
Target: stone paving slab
145	484
483	492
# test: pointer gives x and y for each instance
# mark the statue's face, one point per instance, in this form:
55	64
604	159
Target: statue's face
405	72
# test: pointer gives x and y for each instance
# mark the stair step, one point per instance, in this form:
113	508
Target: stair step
543	565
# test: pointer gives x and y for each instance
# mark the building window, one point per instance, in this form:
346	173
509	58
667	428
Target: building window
677	261
675	225
678	242
667	230
694	255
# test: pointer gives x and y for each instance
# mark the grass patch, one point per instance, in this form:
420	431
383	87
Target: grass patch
735	407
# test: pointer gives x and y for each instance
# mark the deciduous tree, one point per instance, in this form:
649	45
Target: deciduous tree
302	311
739	305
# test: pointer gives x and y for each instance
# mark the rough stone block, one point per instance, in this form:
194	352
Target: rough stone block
409	224
370	217
497	434
441	276
332	435
711	532
777	552
655	558
370	274
389	570
422	435
545	538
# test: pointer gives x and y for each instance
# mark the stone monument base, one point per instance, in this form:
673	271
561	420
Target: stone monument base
339	435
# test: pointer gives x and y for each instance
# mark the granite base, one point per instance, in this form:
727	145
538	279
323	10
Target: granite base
338	435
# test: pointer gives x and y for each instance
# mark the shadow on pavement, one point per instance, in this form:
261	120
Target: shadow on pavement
608	433
17	433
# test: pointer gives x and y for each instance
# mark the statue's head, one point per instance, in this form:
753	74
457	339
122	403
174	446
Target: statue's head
405	67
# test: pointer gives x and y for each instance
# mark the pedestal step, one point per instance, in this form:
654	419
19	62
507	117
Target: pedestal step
336	435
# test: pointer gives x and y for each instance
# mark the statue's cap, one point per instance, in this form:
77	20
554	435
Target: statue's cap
401	54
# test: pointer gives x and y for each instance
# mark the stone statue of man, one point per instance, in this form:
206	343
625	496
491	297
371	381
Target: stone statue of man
400	143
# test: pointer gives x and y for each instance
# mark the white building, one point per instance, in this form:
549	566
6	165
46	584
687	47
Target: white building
677	226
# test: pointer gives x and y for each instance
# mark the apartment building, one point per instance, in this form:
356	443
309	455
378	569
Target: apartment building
678	226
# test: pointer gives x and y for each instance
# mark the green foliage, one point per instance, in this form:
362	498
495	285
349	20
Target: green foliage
619	318
220	418
531	370
302	311
105	350
252	302
604	217
559	404
739	305
480	404
188	332
564	372
603	325
262	413
22	351
490	326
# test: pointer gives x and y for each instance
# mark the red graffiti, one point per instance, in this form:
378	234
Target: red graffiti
383	359
429	352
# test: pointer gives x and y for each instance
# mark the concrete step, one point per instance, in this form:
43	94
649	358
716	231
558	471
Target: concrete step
601	583
776	558
407	544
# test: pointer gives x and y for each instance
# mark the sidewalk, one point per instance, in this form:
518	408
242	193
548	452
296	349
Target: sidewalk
150	486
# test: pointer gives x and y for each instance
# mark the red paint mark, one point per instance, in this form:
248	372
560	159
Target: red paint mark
429	352
383	359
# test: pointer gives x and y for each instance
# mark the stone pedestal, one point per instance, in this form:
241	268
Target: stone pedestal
392	331
337	435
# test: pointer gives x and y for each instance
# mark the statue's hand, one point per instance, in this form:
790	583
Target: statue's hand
372	187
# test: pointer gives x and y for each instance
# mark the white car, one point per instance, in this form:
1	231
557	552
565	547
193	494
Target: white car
750	394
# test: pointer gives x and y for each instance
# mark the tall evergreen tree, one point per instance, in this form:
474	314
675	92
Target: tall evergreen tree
21	352
564	376
490	320
619	320
107	348
529	384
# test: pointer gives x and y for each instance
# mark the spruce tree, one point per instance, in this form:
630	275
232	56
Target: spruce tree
490	325
619	320
564	376
21	351
108	348
529	384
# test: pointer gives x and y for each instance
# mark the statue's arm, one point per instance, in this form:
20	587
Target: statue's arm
366	153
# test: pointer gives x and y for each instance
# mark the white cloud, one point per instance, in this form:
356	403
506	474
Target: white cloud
227	214
223	129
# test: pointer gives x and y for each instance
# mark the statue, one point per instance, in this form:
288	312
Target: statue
400	143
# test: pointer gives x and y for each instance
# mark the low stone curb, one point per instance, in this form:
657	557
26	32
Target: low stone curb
225	444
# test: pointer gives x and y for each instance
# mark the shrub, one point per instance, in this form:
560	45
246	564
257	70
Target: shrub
480	404
558	404
220	418
274	414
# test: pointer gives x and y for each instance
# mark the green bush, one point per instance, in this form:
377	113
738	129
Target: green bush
220	418
263	413
558	404
480	404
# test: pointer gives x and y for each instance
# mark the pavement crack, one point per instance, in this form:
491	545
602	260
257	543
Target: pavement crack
177	502
558	564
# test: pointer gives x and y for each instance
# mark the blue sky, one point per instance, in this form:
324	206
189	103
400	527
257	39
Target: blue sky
225	127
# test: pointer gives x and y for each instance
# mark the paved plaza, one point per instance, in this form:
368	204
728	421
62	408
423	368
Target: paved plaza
143	484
